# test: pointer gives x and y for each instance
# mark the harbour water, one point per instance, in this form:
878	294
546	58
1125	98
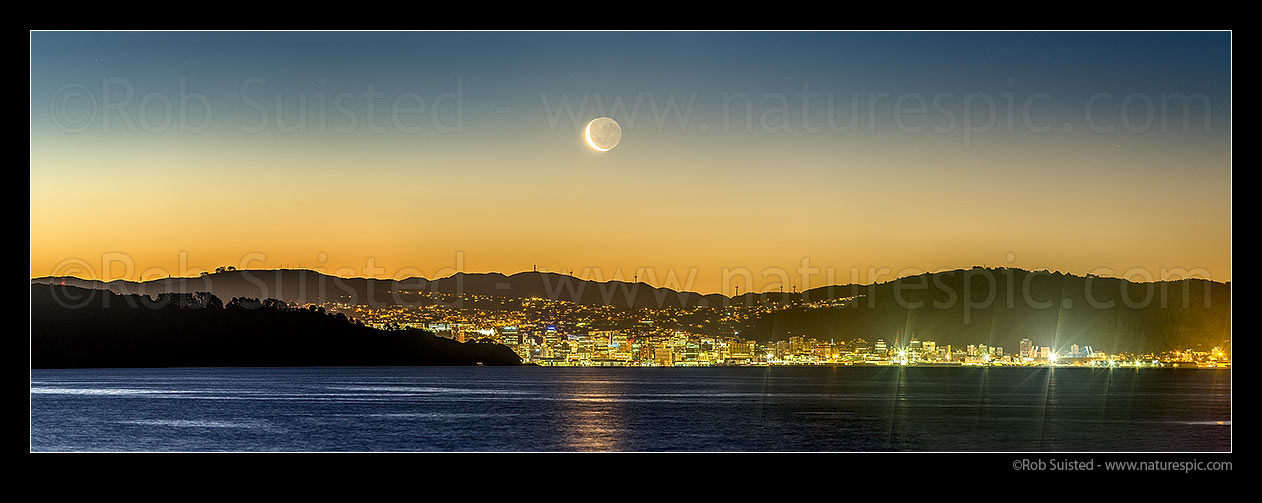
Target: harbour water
631	409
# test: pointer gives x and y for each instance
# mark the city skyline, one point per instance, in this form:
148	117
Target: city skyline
722	167
540	312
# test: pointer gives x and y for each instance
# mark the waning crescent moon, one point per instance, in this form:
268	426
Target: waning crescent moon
587	134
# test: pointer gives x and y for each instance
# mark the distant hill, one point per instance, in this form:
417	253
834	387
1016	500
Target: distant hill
73	327
999	307
995	306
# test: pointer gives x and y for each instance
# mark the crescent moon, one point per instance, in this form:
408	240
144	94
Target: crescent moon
587	134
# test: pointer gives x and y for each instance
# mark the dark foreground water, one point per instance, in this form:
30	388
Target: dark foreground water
631	409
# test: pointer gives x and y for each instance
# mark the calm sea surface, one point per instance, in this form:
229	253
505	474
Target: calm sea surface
631	409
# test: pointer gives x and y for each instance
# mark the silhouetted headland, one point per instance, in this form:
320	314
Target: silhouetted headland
74	327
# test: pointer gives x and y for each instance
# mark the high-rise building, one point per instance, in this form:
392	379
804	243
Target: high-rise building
1027	348
620	347
678	340
586	348
510	336
663	355
648	351
780	350
550	336
692	351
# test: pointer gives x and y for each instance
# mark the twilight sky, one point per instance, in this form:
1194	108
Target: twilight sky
870	155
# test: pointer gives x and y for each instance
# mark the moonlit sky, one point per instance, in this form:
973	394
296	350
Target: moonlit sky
492	175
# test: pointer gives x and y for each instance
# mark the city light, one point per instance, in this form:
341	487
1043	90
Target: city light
549	332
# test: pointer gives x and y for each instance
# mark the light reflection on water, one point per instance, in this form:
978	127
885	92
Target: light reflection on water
592	413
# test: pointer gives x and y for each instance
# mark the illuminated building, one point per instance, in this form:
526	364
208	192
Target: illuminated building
742	350
663	355
510	336
796	345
